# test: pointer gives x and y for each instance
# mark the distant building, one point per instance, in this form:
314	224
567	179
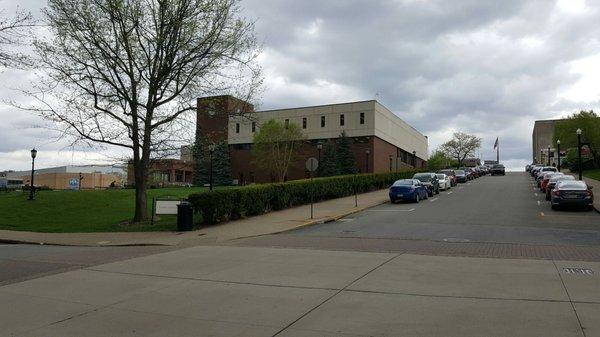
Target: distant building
9	183
380	140
166	172
471	162
542	138
73	176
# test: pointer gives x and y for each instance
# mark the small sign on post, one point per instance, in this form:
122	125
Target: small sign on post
164	207
311	165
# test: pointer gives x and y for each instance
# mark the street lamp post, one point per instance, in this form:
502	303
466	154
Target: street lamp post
211	149
367	152
31	186
390	163
548	155
414	159
579	153
558	155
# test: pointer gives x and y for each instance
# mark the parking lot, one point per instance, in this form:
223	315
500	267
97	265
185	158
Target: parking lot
489	210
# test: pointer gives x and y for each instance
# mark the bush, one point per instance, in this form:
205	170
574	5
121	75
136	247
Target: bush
234	203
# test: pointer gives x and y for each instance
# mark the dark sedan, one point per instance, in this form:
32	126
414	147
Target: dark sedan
407	190
498	169
430	181
553	181
461	176
572	193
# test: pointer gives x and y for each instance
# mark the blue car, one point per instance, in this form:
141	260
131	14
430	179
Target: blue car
408	190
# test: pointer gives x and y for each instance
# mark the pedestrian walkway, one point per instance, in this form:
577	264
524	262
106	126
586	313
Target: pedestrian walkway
274	222
246	291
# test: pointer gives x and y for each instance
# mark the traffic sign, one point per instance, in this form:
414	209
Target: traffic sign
312	164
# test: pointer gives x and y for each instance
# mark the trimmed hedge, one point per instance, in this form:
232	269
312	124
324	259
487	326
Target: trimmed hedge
234	203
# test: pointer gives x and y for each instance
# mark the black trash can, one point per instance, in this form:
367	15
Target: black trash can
185	216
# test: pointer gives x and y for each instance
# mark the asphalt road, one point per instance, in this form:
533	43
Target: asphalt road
500	209
22	262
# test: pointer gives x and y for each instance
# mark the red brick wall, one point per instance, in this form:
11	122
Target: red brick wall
243	168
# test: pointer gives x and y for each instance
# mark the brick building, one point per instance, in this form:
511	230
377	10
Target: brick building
380	140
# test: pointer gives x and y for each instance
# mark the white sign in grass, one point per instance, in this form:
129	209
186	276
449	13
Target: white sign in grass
166	207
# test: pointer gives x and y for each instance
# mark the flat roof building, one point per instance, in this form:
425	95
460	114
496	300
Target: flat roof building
542	137
380	140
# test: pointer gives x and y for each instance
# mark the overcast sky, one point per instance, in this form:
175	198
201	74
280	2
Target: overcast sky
489	68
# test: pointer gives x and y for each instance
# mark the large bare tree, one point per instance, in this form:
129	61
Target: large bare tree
461	146
13	30
125	73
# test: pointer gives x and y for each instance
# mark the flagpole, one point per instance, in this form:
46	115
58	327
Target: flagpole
498	153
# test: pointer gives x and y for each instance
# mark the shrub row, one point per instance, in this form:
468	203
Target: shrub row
237	202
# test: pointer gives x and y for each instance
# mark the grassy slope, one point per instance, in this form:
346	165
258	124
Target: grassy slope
82	211
594	174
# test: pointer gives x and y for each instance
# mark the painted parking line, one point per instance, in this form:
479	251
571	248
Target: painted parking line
535	194
542	214
432	200
450	192
539	202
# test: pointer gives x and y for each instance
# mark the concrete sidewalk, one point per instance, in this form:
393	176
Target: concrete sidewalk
244	291
274	222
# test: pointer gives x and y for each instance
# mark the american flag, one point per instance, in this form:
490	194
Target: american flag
496	143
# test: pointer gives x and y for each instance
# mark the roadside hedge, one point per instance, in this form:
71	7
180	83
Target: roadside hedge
237	202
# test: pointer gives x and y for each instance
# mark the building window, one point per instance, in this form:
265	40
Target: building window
237	127
362	118
322	121
287	123
342	120
253	126
304	122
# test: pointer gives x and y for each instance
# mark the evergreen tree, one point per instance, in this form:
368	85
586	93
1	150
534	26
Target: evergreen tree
345	157
329	164
221	165
200	154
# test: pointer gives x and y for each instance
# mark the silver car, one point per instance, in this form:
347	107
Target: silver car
444	181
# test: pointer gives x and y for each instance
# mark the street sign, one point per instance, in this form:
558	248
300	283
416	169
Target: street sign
312	164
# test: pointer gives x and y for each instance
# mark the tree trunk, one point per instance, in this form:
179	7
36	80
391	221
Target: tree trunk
141	206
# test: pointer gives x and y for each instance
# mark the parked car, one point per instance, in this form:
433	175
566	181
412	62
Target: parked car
461	176
554	180
469	172
444	181
451	174
534	169
546	178
430	181
407	190
574	193
540	174
498	169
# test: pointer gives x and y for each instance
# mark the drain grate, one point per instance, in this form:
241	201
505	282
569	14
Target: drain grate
580	271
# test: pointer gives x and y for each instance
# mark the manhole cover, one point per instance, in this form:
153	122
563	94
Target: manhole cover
456	240
581	271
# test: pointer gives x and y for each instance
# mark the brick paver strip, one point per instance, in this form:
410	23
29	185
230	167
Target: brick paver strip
473	249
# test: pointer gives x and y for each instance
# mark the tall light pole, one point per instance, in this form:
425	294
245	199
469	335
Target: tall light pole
31	186
414	159
579	153
390	163
367	153
548	155
211	149
558	155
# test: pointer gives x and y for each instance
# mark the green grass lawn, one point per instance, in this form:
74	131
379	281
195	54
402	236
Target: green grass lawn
83	211
594	174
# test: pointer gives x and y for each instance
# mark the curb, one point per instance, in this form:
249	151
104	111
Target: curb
25	242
